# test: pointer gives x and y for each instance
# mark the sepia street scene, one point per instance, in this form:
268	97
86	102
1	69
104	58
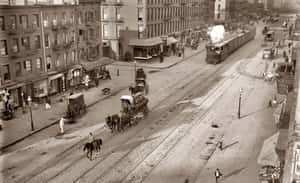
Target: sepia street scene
149	91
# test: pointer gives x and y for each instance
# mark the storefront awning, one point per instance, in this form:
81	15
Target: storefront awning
88	66
55	76
268	155
171	40
277	113
145	42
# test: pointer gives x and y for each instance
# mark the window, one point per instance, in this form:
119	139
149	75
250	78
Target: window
72	18
15	45
24	21
105	13
48	60
141	2
54	20
118	15
140	14
27	65
73	56
218	16
57	62
65	58
105	30
25	43
3	48
47	41
2	23
219	7
13	21
90	16
37	42
118	28
18	69
64	19
46	20
80	18
39	64
6	72
36	20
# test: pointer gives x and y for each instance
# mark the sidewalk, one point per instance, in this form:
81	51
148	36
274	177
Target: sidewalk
19	128
168	61
243	139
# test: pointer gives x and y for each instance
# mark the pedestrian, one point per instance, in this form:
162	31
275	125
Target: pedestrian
61	125
220	145
161	58
218	174
182	51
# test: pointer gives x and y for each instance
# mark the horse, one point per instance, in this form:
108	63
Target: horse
91	146
113	122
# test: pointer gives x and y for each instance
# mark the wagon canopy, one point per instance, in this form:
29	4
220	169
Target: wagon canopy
127	98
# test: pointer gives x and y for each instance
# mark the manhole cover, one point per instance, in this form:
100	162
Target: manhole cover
43	153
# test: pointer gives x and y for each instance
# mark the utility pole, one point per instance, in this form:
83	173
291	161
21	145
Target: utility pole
240	100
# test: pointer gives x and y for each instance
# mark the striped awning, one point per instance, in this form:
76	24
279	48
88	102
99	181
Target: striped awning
145	42
88	66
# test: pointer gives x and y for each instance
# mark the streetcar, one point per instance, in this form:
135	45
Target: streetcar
219	51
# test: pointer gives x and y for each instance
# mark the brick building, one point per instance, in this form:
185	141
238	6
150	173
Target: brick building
41	46
111	23
160	24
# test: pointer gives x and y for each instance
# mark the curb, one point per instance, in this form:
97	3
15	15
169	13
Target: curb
57	121
163	67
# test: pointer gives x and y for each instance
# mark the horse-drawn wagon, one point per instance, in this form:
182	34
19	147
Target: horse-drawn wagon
133	109
76	106
140	83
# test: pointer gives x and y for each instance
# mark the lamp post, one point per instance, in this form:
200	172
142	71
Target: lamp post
31	120
134	70
240	100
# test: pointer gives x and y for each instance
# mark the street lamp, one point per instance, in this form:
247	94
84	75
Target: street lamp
240	99
31	120
134	70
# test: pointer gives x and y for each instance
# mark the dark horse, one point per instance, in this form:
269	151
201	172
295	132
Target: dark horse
116	122
113	122
92	146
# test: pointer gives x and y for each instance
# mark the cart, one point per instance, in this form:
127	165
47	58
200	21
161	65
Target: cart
76	106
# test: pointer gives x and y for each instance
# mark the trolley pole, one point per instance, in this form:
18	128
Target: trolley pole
240	100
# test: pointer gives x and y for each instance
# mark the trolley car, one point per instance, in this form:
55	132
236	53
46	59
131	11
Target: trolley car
217	52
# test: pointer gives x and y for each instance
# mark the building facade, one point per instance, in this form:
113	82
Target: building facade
170	20
222	12
111	23
41	46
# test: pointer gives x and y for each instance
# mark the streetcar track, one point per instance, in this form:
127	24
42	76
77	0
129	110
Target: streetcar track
64	154
189	127
154	148
160	116
203	115
68	151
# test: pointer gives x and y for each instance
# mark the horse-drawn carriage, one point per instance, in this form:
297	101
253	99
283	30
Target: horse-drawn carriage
76	106
140	83
134	108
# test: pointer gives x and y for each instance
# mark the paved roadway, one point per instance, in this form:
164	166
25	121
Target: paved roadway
176	140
